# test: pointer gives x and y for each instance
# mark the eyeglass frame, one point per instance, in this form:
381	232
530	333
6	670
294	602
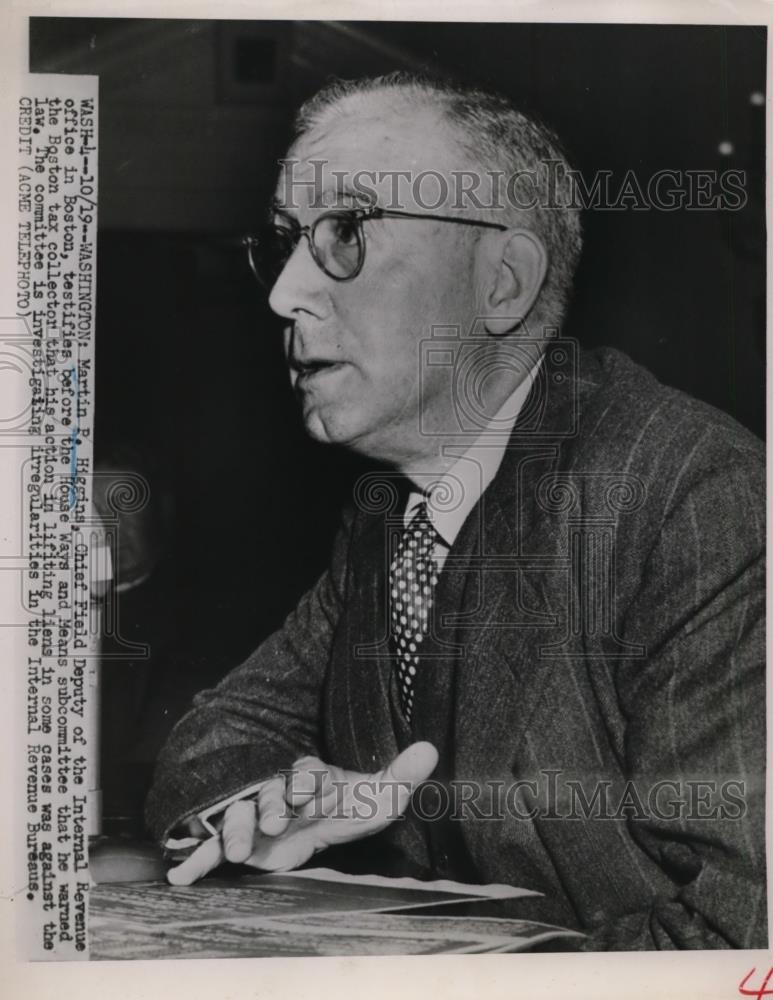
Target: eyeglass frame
360	216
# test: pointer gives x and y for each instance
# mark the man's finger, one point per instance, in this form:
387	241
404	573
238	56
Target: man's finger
238	830
273	811
408	769
206	857
309	779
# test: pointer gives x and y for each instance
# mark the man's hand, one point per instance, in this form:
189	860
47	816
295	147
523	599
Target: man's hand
314	806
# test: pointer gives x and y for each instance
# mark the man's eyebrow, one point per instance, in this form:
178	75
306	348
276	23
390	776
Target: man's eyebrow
351	196
341	196
277	208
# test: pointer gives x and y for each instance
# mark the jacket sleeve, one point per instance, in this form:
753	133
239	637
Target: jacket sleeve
261	717
695	711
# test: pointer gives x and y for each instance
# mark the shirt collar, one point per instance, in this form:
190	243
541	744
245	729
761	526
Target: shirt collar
451	496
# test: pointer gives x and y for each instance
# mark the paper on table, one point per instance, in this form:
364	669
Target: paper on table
490	891
312	912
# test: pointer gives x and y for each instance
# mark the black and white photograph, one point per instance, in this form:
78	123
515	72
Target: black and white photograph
414	449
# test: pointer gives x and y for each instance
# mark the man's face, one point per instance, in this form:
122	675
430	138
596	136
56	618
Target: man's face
353	347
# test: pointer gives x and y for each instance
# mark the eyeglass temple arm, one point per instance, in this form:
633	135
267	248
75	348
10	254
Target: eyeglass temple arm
249	243
387	213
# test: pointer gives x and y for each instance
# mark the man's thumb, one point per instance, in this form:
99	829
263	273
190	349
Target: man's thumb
413	765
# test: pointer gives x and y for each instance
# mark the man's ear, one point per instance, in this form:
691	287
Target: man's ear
517	276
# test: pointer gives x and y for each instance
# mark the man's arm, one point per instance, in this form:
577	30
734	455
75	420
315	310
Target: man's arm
260	718
695	713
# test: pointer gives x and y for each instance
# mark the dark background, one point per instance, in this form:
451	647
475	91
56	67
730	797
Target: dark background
190	381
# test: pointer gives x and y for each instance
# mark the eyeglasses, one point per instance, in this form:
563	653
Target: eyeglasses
336	241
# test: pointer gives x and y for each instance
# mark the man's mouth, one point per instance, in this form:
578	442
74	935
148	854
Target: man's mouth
306	370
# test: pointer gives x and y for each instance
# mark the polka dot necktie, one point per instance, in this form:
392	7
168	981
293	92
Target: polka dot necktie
412	578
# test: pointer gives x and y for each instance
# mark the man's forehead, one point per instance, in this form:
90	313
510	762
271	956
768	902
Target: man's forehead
367	150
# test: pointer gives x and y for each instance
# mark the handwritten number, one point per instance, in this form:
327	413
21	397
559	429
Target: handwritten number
763	991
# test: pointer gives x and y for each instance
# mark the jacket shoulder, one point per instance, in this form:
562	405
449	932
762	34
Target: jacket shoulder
630	419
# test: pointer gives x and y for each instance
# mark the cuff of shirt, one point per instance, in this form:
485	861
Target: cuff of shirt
182	841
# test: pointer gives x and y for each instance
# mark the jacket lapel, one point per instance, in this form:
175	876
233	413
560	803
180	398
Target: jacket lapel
359	730
519	573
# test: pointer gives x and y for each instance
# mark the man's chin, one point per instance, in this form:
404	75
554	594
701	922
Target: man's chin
325	426
332	425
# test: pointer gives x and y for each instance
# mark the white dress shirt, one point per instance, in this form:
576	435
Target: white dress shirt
451	496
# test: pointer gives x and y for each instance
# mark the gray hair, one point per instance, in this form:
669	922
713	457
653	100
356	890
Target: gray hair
498	138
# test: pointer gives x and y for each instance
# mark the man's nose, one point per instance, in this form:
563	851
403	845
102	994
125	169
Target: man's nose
300	285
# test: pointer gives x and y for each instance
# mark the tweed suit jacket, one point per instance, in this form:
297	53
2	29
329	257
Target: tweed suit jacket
593	679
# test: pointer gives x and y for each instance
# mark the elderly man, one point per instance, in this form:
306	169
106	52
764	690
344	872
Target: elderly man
537	655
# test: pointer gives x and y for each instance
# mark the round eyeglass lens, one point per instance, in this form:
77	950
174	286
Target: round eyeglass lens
338	244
